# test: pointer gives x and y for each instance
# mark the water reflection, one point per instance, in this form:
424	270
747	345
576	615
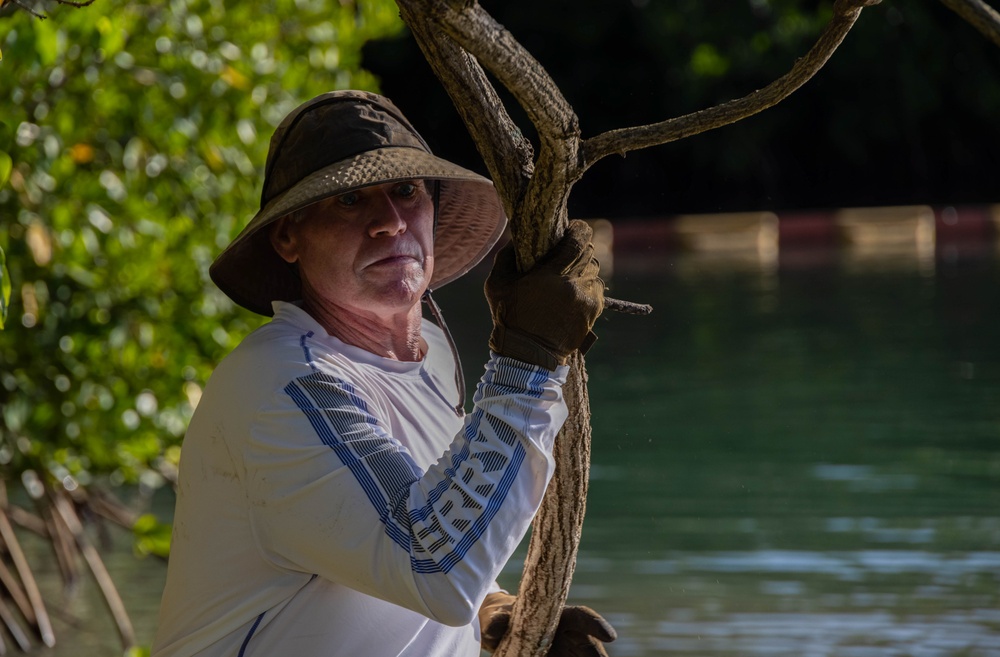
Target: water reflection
800	459
796	458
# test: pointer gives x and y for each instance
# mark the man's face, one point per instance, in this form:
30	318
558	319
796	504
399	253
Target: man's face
369	251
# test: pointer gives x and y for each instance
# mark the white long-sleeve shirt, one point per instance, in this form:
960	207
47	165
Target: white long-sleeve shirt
330	501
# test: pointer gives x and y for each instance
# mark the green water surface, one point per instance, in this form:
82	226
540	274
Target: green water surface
801	459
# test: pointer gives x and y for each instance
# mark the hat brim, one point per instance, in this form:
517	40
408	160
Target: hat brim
470	221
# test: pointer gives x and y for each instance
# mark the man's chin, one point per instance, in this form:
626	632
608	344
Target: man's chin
398	294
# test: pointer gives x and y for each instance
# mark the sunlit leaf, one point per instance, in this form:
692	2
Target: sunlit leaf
47	41
6	166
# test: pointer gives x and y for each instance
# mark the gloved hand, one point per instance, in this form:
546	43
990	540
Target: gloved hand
581	632
541	316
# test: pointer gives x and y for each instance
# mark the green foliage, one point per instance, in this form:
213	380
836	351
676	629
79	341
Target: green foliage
151	536
134	138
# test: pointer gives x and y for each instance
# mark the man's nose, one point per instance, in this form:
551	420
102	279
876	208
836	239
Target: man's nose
388	218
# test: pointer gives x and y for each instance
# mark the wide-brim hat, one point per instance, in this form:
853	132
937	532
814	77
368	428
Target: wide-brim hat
338	142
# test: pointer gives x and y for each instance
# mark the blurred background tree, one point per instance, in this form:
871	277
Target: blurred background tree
132	141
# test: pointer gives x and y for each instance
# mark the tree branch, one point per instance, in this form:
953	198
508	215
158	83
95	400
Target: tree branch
978	14
507	153
556	531
64	512
501	54
558	128
538	218
845	13
41	616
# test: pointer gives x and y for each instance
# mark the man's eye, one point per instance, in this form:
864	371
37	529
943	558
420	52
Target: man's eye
406	189
350	198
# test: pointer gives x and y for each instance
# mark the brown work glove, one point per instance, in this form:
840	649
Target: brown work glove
543	315
581	632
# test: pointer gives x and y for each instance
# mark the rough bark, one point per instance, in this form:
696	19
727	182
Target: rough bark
460	39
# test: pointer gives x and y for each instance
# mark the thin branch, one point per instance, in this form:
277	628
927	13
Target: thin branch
845	13
28	580
62	545
16	593
109	507
13	628
23	6
980	15
27	520
67	514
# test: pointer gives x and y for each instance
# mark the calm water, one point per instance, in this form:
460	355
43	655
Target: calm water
797	460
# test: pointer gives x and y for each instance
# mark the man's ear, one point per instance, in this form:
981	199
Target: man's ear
283	239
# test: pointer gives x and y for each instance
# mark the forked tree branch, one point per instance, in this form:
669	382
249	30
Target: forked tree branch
845	13
507	153
539	217
980	15
553	117
501	54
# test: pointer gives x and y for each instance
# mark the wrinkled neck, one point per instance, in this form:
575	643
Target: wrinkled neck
396	335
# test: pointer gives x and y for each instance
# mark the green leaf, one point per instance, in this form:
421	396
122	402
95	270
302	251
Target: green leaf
151	536
4	290
6	166
47	41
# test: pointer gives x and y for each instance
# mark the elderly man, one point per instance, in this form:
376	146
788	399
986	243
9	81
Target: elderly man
334	498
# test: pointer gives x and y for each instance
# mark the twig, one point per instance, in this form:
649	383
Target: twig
64	549
27	520
627	307
110	508
24	7
71	3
